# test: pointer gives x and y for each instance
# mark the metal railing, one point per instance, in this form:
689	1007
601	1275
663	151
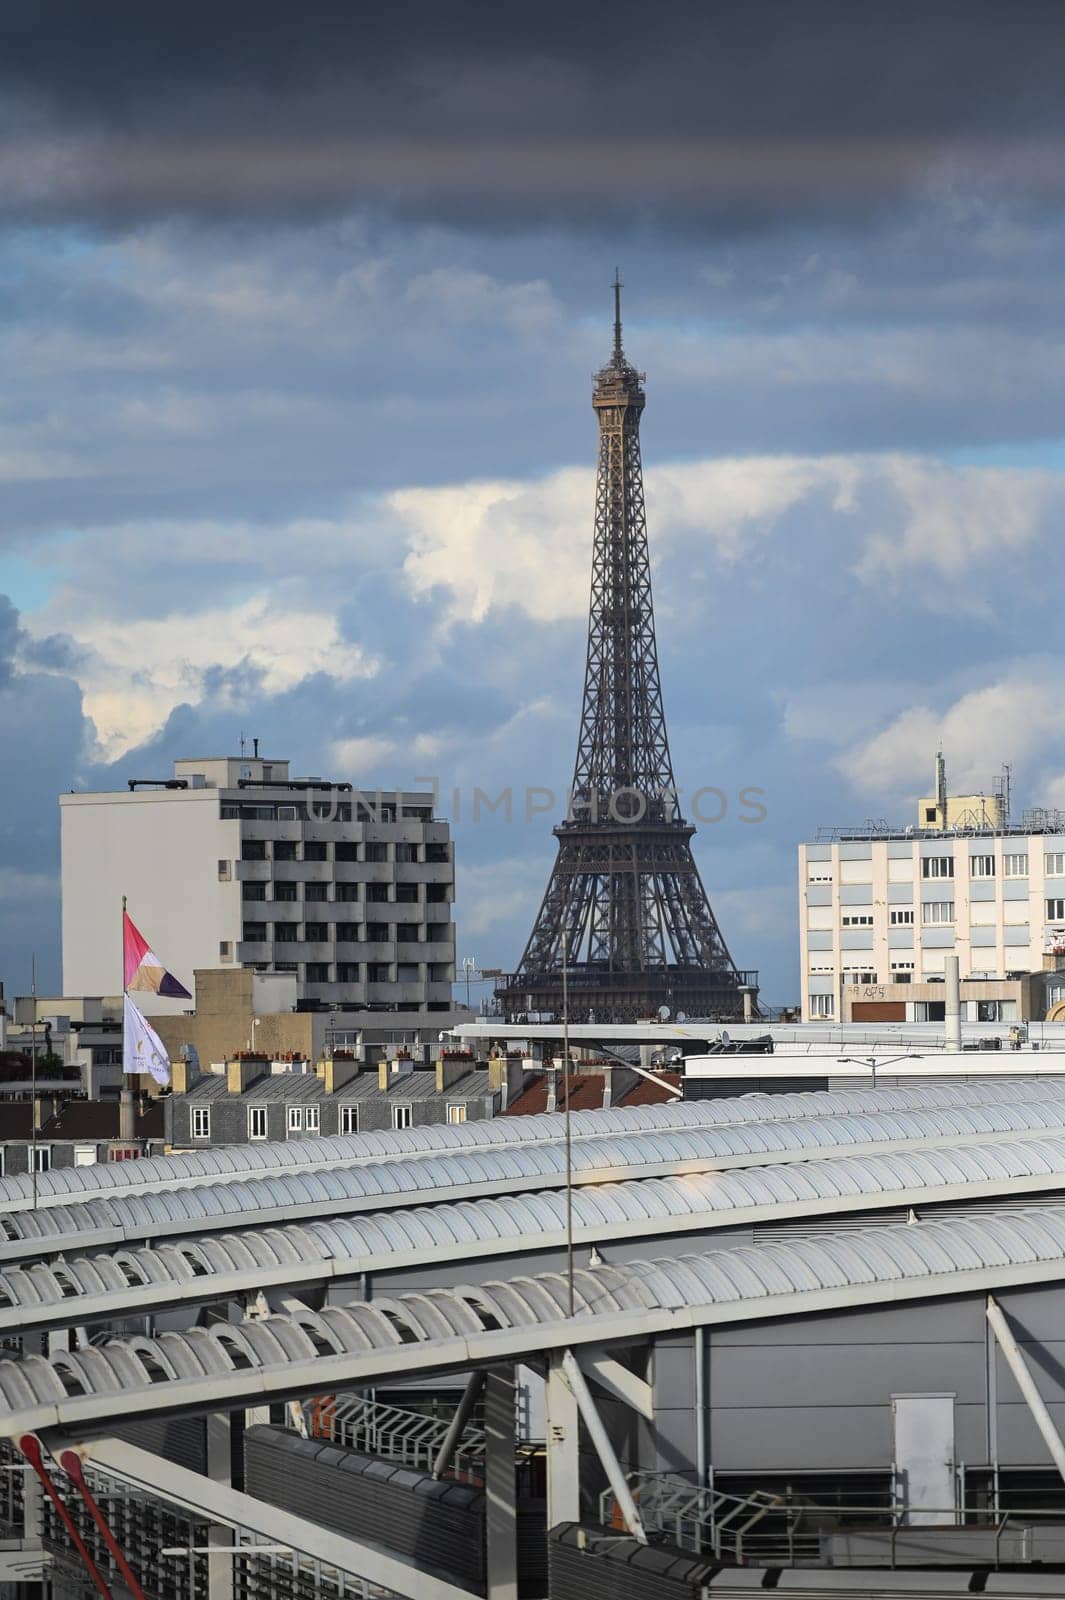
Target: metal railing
788	1527
356	1422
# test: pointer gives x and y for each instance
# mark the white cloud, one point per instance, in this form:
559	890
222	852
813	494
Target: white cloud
133	672
952	517
1018	718
527	543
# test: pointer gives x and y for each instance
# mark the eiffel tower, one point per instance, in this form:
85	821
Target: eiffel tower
625	900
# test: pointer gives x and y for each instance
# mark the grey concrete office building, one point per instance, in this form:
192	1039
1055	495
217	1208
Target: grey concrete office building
232	861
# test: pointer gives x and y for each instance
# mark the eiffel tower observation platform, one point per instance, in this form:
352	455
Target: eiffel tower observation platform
625	929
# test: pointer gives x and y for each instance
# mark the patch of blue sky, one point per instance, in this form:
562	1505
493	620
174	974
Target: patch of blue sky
27	585
1029	455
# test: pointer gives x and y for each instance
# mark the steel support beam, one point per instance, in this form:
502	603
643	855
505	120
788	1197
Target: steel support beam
1026	1383
500	1490
603	1447
618	1381
470	1396
155	1476
563	1459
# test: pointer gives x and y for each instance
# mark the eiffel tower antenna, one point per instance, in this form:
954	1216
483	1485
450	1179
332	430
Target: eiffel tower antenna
625	909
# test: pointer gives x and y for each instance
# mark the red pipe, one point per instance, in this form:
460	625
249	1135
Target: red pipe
70	1462
30	1446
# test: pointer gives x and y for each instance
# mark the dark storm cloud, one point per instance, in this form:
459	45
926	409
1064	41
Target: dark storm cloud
686	110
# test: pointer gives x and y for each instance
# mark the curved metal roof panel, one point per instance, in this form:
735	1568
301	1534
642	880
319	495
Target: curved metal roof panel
222	1164
211	1266
305	1352
261	1201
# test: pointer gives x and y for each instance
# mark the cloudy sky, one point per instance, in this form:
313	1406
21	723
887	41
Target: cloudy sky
300	309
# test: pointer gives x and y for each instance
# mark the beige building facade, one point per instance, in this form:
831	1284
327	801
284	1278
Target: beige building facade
887	908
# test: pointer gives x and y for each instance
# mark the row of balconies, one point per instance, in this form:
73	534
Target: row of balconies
345	950
344	871
405	832
419	912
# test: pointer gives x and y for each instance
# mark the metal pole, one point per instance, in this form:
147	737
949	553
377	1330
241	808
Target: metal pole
569	1135
604	1449
33	1077
1026	1384
458	1422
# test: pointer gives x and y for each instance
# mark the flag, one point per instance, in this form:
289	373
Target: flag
142	969
142	1048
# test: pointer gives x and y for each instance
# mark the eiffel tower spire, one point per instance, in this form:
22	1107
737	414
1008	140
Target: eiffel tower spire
625	899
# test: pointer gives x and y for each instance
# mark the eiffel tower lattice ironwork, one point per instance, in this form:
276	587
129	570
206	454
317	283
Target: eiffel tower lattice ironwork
625	899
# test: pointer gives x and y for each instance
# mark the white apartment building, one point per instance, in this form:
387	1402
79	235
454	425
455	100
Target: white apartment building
232	862
882	907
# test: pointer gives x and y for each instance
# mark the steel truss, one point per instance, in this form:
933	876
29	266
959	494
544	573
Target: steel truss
625	899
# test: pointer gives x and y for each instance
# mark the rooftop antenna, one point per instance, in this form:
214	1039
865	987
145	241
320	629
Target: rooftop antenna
941	788
618	356
1003	786
243	744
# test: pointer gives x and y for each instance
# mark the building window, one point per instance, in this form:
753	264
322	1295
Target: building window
315	850
201	1122
42	1158
253	850
316	891
902	971
377	893
286	932
456	1113
902	916
347	972
253	891
821	969
347	932
317	972
937	867
225	950
437	853
407	894
347	892
284	849
819	872
316	932
407	972
377	972
406	852
1015	865
256	1122
1056	910
349	1119
401	1116
377	933
286	966
856	919
295	1119
853	975
285	892
1054	863
314	1119
375	851
1055	995
408	932
224	871
822	1005
981	866
254	932
937	911
345	851
931	813
437	932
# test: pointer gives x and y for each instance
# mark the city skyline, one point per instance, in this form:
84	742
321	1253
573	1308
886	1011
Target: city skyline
301	448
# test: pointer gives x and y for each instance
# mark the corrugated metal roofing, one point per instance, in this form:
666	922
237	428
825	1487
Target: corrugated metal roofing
230	1163
296	1254
386	1184
307	1351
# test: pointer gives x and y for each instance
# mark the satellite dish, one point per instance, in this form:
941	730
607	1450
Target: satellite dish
682	1016
663	1013
725	1040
